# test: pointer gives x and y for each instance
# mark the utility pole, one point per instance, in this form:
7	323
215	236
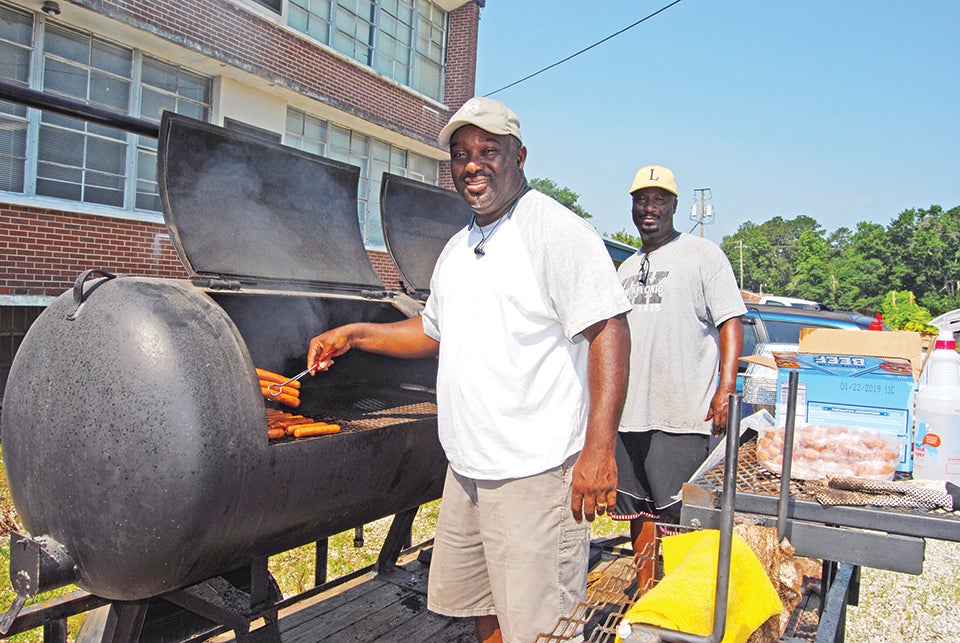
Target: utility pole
702	208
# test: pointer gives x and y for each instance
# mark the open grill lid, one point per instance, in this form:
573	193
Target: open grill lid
418	219
243	209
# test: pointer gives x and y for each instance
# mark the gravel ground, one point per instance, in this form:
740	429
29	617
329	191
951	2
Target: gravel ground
902	608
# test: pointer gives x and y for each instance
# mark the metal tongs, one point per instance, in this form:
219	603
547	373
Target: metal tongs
276	389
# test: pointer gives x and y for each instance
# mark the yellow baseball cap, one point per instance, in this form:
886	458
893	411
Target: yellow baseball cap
654	176
486	113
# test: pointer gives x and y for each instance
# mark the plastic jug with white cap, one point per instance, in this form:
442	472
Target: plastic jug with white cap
936	445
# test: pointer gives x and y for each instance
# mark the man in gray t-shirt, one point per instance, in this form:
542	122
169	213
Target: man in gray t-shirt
686	339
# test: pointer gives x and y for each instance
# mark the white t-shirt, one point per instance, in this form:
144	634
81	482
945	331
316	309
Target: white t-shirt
512	391
675	348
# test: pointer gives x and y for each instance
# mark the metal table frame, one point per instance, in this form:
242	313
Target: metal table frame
845	538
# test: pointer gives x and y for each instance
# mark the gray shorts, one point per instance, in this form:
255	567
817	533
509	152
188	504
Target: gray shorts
651	468
510	548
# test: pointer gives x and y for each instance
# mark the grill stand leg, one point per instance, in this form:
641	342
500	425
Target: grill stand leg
122	622
397	538
218	600
221	602
263	589
320	567
836	598
55	631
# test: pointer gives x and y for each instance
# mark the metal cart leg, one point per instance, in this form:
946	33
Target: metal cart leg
834	616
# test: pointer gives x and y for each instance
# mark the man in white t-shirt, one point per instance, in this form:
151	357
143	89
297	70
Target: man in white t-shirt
528	319
686	339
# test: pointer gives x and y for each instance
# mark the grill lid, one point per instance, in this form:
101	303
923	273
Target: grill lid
418	219
242	208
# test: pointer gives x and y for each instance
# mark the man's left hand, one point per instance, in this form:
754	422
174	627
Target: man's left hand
594	485
719	407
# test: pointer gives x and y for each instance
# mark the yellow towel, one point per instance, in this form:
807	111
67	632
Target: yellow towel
683	599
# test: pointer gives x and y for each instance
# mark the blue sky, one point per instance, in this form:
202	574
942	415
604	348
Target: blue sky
842	110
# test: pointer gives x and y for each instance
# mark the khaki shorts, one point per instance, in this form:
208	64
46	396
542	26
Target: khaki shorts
510	548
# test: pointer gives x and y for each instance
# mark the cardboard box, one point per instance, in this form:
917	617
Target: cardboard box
854	379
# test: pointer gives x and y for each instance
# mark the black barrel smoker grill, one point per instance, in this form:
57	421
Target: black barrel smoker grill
134	428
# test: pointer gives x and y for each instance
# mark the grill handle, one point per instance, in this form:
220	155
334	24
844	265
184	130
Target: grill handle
79	296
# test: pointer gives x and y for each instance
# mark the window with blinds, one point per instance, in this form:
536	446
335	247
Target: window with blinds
164	86
401	39
47	154
78	160
372	156
16	47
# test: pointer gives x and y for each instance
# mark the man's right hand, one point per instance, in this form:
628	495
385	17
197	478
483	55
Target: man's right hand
324	347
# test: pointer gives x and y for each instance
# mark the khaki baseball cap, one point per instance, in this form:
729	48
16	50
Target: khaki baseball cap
486	113
654	176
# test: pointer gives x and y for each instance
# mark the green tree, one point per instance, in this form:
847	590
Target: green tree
919	252
768	252
900	232
812	277
936	247
750	248
625	237
565	196
866	263
925	256
856	270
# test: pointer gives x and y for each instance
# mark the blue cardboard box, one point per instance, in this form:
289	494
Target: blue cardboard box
851	385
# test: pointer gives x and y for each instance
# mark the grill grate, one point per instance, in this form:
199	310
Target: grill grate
753	477
361	408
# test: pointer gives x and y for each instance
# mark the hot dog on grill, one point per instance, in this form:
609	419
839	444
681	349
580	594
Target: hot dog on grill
283	398
290	425
271	389
284	418
319	428
275	378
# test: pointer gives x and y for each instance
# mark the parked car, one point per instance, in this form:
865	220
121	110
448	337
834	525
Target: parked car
776	328
782	324
776	300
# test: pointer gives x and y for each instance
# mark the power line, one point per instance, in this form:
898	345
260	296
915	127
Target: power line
572	56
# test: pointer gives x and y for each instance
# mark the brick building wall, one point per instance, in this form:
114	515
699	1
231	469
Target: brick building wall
461	68
385	269
43	251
